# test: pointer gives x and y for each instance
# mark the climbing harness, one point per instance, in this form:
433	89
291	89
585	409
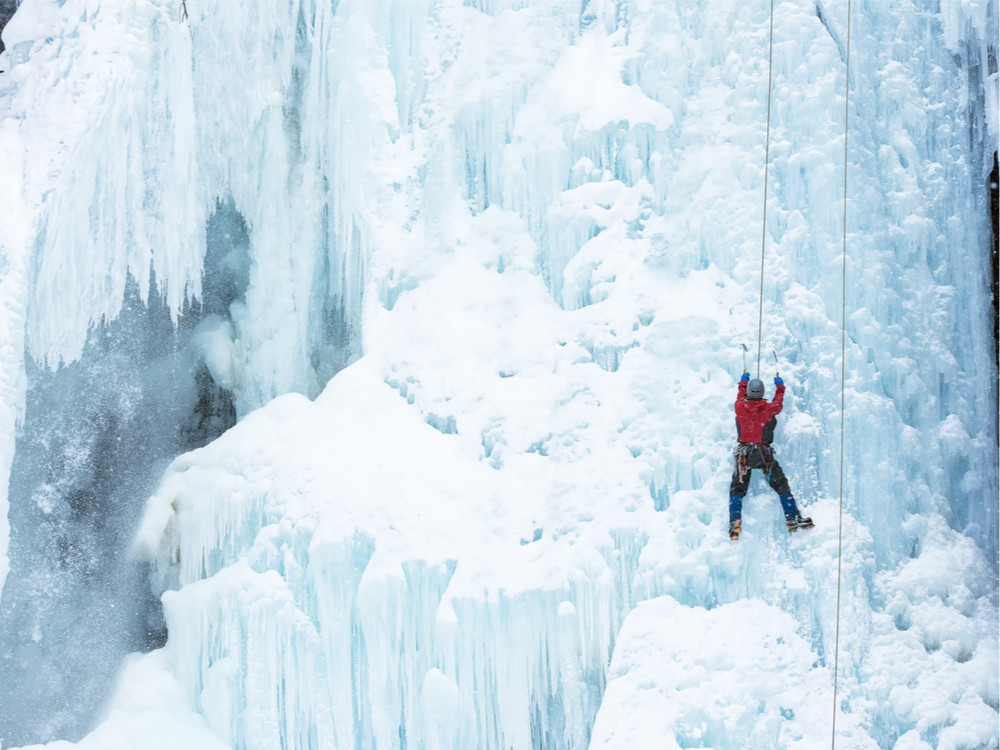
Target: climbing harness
743	452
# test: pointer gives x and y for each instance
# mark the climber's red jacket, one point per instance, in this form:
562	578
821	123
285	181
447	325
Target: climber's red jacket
756	419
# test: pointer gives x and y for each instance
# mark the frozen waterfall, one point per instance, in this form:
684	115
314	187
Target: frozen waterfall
368	365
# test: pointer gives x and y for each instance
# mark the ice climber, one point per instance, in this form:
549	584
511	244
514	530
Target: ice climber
756	419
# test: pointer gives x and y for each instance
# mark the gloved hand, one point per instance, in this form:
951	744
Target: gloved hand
778	380
745	376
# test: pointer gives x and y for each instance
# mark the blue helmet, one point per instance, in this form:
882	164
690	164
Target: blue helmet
755	389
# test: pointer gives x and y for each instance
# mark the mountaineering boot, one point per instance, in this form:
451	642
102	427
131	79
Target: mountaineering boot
788	505
734	529
793	519
798	522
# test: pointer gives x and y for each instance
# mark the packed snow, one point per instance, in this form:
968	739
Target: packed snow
439	308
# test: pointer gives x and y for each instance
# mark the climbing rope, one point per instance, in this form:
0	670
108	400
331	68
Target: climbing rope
843	321
843	383
767	160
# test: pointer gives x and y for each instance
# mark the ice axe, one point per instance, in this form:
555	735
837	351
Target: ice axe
775	355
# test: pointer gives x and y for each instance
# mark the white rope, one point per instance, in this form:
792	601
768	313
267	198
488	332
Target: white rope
843	386
767	161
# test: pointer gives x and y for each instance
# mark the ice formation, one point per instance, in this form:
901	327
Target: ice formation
418	322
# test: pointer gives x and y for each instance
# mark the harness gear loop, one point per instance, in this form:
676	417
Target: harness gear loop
741	461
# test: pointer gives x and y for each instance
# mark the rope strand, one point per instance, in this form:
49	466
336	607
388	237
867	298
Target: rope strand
843	385
767	160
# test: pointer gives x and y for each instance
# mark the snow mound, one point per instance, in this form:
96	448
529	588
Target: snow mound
739	675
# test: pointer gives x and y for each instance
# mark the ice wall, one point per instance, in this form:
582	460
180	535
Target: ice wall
534	228
231	230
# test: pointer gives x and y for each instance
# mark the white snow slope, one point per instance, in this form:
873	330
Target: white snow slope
531	230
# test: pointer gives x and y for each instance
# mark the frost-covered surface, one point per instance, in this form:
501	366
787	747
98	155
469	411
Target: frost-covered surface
763	689
533	229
